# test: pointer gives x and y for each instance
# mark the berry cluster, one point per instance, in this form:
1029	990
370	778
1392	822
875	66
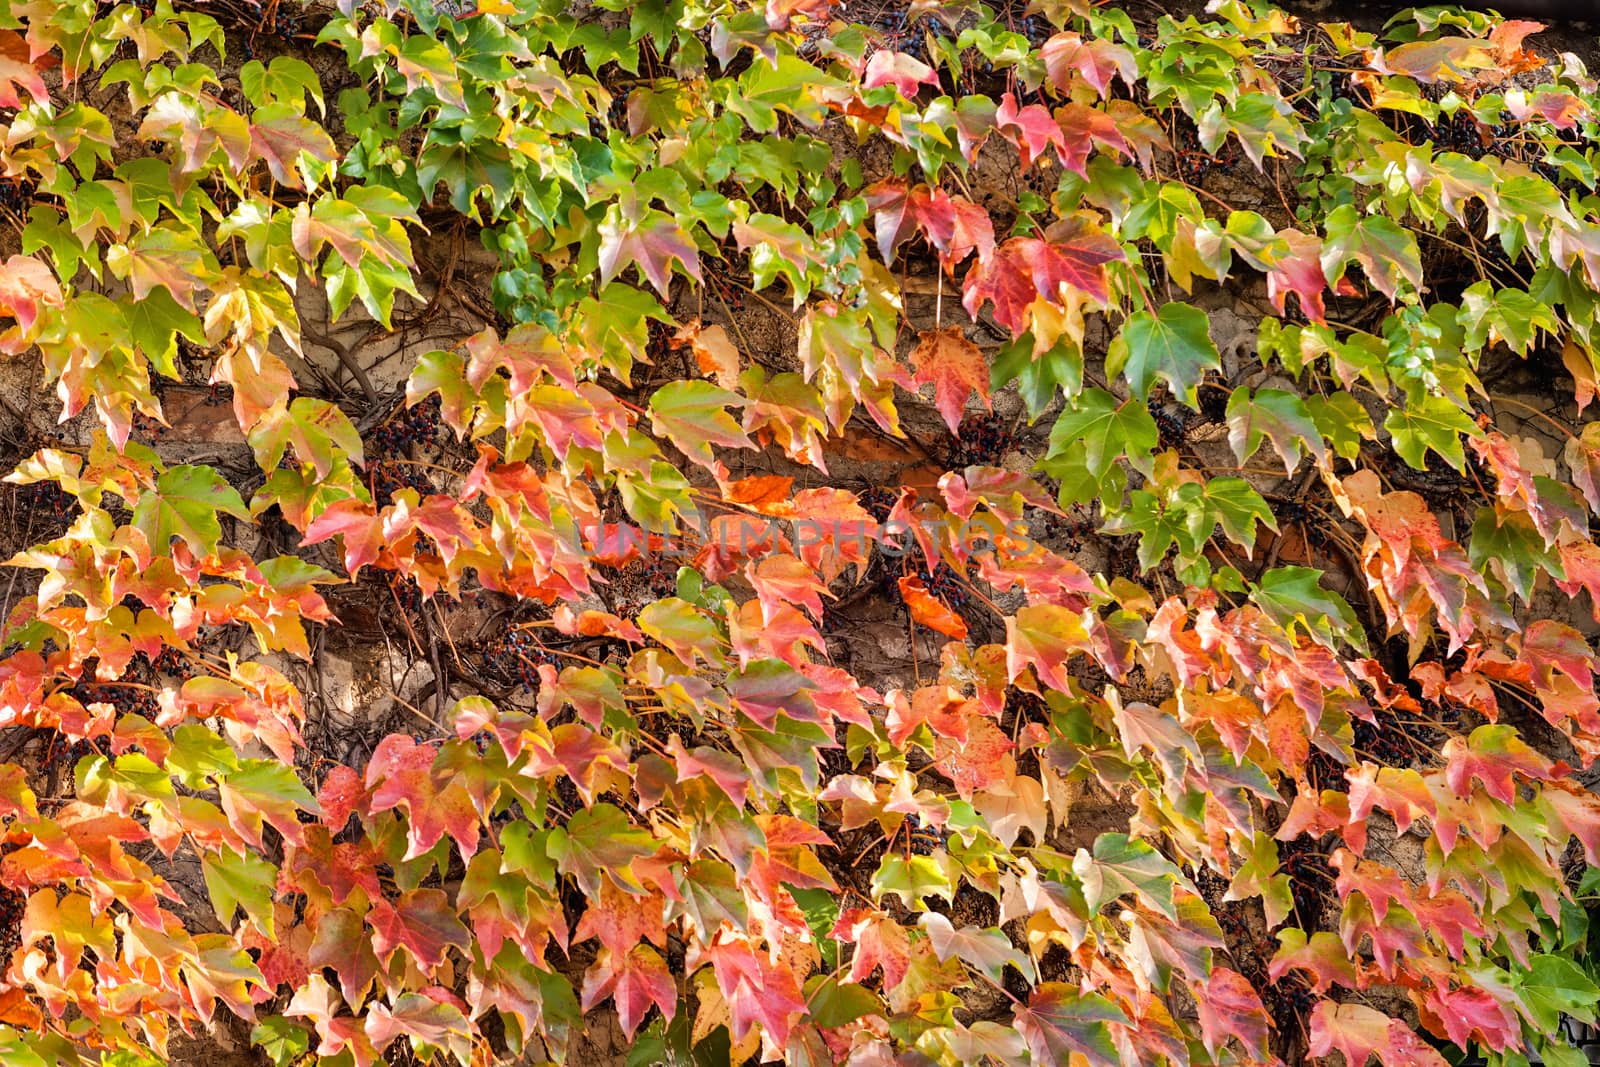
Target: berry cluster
127	699
418	425
219	393
515	658
406	592
901	36
1066	533
1462	132
47	499
146	427
64	757
1194	162
878	501
983	440
388	478
1172	424
15	194
922	839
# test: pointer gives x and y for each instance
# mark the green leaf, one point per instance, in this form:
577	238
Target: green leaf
1385	251
185	504
1553	986
240	881
1173	344
1343	421
315	431
1294	595
1097	431
600	841
837	1003
693	415
1431	423
1281	417
1122	864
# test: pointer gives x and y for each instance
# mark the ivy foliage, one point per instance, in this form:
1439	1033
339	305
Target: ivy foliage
1350	827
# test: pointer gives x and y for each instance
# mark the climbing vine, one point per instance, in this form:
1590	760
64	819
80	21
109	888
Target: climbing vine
1311	613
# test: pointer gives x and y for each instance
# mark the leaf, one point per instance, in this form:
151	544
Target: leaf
693	416
636	979
240	881
1174	344
1385	251
600	841
905	72
1433	423
185	504
1494	755
317	432
929	611
1059	1023
1300	272
1097	430
1229	1008
1323	957
956	368
1122	864
1023	269
1281	417
1552	987
1294	595
1096	61
834	1003
987	950
647	238
421	921
1358	1031
17	70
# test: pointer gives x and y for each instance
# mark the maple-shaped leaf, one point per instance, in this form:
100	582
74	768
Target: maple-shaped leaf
1299	272
600	841
1059	1023
931	612
17	69
905	72
317	432
1230	1008
1174	344
879	941
185	504
1042	636
1433	423
358	524
956	368
1141	726
1074	252
1031	129
1494	755
421	921
1097	430
400	774
1121	864
636	978
989	951
1322	956
1281	417
1083	127
240	881
1096	61
650	239
1385	251
1357	1031
26	285
693	415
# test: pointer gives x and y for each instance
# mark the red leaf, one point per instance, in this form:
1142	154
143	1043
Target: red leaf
1031	129
880	942
1082	128
636	979
1493	755
956	368
358	524
1023	269
931	612
1300	273
423	922
1096	62
1230	1008
622	920
905	72
401	775
1358	1031
17	69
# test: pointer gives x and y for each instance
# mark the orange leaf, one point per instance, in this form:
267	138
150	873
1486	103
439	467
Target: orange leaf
930	612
